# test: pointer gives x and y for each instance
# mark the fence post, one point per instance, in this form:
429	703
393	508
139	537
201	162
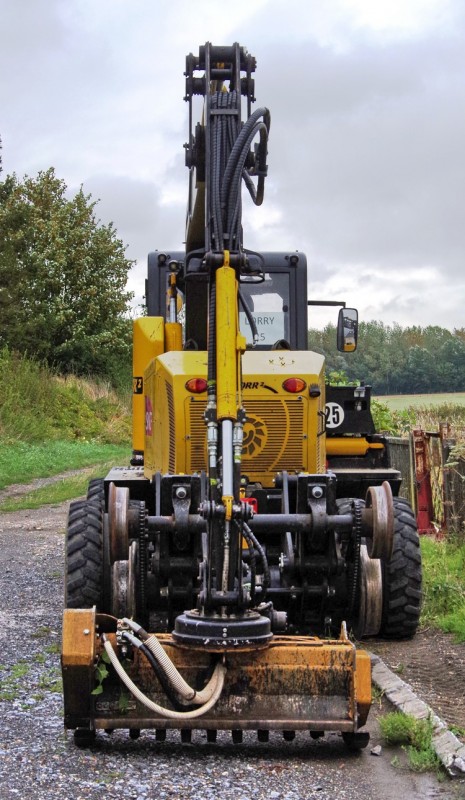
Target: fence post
425	510
451	517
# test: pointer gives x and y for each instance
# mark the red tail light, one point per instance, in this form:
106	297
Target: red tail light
294	385
196	385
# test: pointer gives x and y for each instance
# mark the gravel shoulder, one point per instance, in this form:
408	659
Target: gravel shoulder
38	760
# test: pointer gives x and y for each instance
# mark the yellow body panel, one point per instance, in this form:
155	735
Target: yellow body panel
283	431
148	342
173	336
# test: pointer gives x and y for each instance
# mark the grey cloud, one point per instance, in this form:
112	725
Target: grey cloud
136	210
366	148
368	154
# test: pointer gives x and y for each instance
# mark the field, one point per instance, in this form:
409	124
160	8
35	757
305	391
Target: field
400	402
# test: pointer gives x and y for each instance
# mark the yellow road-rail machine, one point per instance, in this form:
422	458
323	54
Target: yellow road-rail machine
200	578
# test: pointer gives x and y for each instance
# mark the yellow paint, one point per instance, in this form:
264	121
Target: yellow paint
78	638
363	684
282	430
226	340
148	342
173	336
295	680
350	446
228	505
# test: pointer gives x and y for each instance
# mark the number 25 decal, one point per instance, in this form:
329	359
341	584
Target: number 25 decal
334	415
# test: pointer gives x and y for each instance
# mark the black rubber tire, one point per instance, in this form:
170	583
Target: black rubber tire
402	577
96	491
84	555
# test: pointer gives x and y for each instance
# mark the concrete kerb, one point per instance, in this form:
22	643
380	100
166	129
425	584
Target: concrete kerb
450	751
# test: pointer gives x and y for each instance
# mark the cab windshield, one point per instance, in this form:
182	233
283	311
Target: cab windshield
268	302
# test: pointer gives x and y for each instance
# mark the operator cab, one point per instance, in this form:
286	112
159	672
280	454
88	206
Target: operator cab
274	291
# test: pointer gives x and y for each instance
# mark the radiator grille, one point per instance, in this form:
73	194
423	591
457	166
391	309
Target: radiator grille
273	435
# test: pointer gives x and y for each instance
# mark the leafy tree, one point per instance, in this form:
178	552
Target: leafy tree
62	278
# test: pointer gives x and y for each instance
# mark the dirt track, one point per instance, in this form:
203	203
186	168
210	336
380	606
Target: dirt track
434	666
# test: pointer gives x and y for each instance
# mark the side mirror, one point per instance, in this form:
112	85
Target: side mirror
347	330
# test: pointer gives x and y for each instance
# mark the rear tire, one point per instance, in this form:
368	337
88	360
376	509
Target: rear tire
84	556
402	576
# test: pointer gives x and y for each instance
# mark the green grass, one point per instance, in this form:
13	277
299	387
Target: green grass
59	492
21	462
401	402
444	585
12	686
415	735
400	414
36	405
50	424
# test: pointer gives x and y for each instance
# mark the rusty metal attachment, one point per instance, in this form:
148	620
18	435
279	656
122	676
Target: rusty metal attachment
370	612
379	503
118	506
123	585
297	683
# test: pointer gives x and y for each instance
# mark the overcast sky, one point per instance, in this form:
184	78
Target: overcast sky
367	141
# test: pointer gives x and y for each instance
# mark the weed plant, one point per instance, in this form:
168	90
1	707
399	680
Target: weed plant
415	735
427	417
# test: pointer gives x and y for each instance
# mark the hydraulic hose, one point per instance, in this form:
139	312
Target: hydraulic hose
266	570
173	676
158	670
242	143
253	562
176	679
219	675
249	316
234	204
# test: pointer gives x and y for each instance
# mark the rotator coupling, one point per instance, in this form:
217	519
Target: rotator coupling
209	510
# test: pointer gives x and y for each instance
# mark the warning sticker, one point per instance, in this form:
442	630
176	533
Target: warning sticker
148	416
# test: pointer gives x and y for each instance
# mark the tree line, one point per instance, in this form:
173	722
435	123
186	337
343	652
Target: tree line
397	360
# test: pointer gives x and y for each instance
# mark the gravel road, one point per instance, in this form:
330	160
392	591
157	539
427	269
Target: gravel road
38	760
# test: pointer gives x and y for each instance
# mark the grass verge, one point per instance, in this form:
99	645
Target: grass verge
21	462
37	405
444	585
415	735
57	492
